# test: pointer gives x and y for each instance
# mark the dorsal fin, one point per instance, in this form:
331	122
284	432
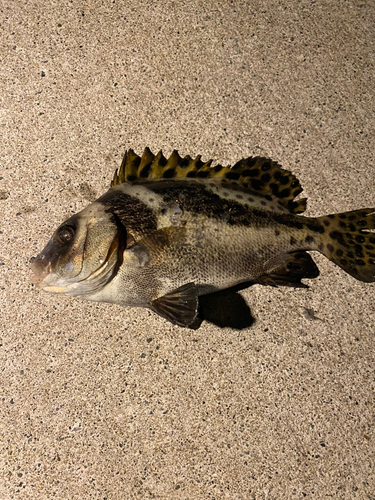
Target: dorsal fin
253	174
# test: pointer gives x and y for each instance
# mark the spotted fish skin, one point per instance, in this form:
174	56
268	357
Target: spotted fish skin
174	229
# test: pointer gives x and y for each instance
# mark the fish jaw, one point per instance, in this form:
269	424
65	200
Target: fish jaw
41	268
57	289
44	279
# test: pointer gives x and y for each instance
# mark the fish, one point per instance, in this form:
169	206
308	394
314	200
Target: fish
170	230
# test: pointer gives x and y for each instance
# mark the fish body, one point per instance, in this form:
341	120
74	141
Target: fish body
170	230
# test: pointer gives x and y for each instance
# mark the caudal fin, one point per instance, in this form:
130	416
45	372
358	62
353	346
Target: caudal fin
349	241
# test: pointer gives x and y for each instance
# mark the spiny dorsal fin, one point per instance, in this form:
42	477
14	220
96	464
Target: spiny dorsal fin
260	175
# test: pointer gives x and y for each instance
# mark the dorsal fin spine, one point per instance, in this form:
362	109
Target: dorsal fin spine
253	174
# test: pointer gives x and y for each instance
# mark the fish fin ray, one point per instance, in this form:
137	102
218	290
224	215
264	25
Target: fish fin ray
294	267
180	306
254	174
128	170
349	241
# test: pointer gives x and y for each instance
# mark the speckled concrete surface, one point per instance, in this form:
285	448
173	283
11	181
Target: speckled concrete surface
108	403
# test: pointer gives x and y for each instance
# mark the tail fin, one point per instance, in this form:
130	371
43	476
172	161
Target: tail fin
349	241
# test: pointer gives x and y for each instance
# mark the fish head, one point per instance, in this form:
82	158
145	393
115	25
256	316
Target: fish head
82	255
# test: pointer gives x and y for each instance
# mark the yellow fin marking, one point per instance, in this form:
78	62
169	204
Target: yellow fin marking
256	175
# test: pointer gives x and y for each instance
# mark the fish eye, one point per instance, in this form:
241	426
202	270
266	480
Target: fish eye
65	234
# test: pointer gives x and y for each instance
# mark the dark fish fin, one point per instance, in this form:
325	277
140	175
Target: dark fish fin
180	307
349	241
294	267
131	166
259	175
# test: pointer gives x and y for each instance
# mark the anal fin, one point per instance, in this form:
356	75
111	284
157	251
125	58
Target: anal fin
293	267
180	306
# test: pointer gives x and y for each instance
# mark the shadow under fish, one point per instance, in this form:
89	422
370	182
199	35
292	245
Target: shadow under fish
225	308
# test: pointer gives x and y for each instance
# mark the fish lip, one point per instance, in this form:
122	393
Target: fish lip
41	268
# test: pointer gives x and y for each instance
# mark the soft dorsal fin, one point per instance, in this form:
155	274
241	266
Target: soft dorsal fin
255	174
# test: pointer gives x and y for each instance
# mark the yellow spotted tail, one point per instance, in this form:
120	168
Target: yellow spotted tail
349	241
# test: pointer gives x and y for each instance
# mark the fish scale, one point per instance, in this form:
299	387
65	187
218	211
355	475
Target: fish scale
172	229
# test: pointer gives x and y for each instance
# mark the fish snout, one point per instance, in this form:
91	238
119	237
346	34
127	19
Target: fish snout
40	267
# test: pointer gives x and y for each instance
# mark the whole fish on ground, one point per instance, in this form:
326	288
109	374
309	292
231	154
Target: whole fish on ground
170	230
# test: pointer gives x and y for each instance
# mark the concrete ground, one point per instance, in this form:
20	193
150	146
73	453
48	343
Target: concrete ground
103	402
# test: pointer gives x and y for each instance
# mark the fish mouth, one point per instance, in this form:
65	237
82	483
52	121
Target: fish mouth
41	268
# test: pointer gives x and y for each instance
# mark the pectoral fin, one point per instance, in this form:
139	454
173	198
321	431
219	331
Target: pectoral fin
180	307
